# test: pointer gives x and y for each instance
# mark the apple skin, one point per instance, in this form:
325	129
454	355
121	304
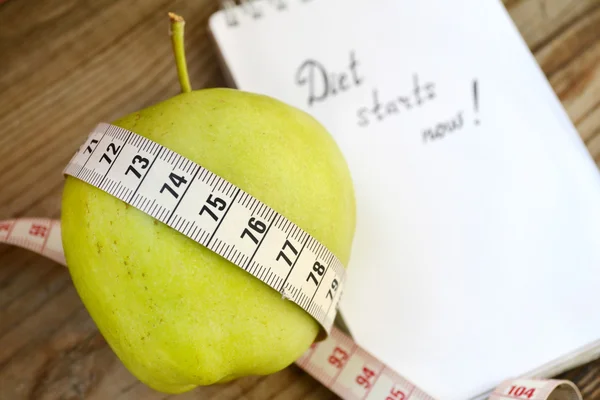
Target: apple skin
177	314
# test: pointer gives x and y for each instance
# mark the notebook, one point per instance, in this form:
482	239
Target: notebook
476	256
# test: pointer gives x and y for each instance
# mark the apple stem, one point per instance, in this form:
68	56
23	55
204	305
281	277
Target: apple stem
177	28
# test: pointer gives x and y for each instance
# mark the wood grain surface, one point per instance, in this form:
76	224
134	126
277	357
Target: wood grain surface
66	64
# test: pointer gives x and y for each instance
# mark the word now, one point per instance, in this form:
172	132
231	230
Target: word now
441	129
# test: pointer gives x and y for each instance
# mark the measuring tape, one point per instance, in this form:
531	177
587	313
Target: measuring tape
338	362
215	213
232	223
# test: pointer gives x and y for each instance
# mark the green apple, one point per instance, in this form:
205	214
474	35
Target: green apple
177	314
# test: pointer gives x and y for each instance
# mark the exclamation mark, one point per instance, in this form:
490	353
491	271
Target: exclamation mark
476	100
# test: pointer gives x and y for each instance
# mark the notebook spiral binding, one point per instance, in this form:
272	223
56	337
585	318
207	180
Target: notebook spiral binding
249	7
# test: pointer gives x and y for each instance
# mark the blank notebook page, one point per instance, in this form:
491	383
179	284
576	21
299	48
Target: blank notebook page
477	249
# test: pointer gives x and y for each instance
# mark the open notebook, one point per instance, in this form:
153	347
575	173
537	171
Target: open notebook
477	250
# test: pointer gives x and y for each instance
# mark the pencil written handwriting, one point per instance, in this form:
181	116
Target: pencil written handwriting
323	83
443	128
454	123
320	83
380	109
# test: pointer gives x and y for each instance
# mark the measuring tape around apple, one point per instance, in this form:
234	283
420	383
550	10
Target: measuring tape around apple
215	213
254	237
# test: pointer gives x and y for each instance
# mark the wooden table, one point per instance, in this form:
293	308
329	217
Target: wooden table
66	64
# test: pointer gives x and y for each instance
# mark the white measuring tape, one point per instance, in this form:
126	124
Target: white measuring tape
230	222
215	213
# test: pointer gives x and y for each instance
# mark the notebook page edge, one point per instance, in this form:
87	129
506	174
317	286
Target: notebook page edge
571	360
213	32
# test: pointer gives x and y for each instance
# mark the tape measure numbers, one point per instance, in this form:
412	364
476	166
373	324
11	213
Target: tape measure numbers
215	213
